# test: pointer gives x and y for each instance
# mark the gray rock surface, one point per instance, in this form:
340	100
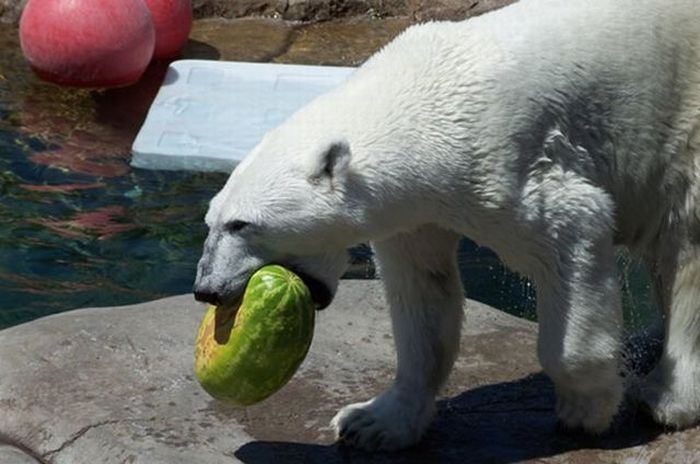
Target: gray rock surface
12	455
115	385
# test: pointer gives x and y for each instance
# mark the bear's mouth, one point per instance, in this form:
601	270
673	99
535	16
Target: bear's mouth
320	293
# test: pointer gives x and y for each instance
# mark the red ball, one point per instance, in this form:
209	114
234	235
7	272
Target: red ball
87	43
173	22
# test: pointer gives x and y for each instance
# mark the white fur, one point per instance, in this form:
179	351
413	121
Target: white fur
550	131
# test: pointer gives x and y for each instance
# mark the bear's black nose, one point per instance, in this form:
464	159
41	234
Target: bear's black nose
207	297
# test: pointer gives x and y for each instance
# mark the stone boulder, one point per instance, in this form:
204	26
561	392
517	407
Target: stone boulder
115	385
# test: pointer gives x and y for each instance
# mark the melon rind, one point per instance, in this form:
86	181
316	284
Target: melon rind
269	338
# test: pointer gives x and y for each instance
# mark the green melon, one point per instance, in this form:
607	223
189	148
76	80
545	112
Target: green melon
244	354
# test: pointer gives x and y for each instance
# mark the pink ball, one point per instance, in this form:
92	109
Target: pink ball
173	21
87	43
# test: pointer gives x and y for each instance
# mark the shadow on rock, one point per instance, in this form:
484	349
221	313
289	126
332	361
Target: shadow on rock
197	50
500	423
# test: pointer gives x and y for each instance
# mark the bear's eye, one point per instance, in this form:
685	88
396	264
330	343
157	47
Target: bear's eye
235	226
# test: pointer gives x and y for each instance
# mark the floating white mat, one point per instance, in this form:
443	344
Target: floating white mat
209	114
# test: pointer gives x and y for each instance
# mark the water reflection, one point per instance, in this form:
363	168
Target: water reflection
69	239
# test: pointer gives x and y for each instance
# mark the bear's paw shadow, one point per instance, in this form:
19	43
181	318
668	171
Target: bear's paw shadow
500	423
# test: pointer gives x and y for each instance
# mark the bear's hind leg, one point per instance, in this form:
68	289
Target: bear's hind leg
580	325
672	389
578	298
421	279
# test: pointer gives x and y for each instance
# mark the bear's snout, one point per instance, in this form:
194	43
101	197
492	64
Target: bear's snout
206	290
206	296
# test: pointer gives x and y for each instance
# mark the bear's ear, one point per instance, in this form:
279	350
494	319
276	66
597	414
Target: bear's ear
331	162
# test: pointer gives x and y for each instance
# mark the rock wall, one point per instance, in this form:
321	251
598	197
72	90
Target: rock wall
316	10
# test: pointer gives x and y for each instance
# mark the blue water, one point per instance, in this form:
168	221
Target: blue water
133	238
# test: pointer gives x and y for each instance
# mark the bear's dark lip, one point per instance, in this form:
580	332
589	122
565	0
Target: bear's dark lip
320	293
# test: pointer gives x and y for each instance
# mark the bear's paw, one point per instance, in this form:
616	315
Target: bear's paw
592	411
388	422
671	394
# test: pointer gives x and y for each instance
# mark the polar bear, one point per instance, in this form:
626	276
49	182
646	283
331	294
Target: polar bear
550	131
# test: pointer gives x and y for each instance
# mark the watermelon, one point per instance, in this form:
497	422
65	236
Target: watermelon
246	353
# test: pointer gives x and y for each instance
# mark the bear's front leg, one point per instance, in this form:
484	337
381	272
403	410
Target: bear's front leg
421	279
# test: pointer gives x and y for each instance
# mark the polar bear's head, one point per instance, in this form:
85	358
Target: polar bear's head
293	201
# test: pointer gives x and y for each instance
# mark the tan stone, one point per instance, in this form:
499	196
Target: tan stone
341	42
316	10
239	40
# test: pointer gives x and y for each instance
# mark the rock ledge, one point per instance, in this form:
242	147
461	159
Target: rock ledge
115	385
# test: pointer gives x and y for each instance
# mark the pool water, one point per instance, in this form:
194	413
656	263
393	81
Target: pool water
79	227
70	240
